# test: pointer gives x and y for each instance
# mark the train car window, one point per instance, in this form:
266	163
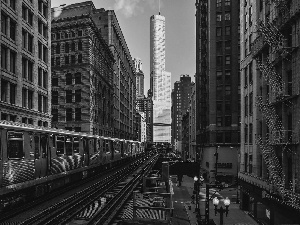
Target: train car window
99	145
15	145
60	145
69	146
44	145
76	145
86	146
111	144
36	147
53	141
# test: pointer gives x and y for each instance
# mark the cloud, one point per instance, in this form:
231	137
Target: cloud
129	7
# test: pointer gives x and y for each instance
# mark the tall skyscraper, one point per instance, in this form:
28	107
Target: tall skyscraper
160	81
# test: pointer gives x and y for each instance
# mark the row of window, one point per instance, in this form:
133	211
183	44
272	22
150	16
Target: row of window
70	96
219	31
226	3
8	91
67	48
226	121
226	16
63	35
248	73
70	79
248	133
219	62
57	60
70	116
250	104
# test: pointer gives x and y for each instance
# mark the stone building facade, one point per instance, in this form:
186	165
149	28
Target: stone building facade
270	152
82	73
25	81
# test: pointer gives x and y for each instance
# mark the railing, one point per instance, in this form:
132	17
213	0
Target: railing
257	181
258	44
283	137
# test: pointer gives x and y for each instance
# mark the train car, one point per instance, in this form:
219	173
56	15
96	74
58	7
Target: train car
36	160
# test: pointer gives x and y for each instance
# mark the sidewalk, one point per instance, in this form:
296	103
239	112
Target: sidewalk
235	216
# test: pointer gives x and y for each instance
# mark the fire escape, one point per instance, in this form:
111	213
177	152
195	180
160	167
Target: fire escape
270	38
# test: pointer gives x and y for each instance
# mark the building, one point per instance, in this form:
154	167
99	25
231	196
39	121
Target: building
139	78
185	135
192	124
82	72
180	104
25	84
270	151
145	105
124	73
217	85
160	81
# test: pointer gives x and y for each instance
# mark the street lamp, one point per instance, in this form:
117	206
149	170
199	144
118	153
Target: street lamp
221	210
196	188
216	154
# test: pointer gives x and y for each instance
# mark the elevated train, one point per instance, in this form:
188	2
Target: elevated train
37	160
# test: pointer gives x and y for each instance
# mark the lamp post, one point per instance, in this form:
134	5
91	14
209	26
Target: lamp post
216	154
196	187
221	210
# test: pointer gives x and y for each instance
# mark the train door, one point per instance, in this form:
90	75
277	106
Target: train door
112	149
37	155
86	154
44	153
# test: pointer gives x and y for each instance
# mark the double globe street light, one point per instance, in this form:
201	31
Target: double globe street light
221	210
198	182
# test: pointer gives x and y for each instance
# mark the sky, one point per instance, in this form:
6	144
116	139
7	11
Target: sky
134	19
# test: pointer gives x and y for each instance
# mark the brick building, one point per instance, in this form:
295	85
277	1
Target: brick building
25	85
82	72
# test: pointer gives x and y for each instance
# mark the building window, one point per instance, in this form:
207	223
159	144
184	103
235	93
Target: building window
54	115
73	59
24	97
30	99
68	79
40	103
227	60
77	95
67	47
4	55
219	107
4	90
4	22
55	97
219	138
57	59
246	105
13	93
67	59
57	36
30	70
219	77
43	8
227	16
13	27
78	114
73	47
69	114
219	17
58	48
13	59
79	45
227	30
227	92
250	133
227	121
45	104
219	61
219	46
227	45
219	31
80	58
40	76
251	103
77	78
219	93
79	33
227	2
55	81
27	15
219	3
69	96
219	121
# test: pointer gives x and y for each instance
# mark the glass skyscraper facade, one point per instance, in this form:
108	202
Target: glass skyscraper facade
160	82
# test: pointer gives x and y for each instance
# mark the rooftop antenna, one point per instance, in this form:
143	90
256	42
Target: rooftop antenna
158	7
